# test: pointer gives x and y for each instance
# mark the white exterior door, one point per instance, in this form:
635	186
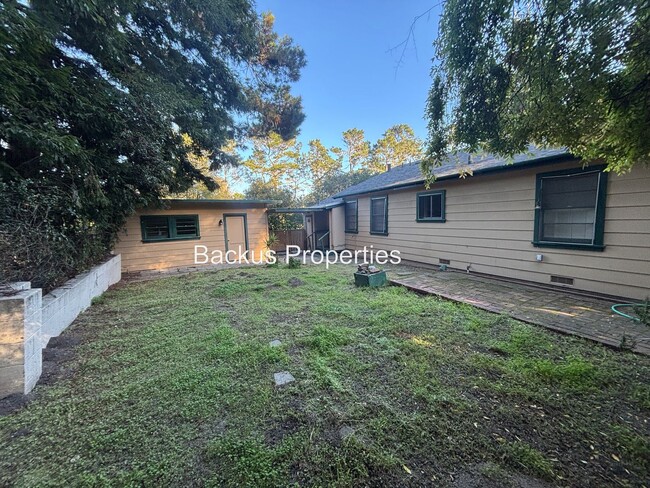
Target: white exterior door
235	233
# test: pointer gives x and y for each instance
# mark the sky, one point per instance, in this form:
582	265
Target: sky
352	78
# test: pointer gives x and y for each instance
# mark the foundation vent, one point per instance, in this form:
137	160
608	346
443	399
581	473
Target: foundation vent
562	280
444	261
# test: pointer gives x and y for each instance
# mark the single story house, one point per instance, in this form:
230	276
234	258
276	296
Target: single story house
541	217
165	238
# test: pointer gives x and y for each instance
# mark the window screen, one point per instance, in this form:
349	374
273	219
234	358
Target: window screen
351	216
378	215
568	208
431	206
169	227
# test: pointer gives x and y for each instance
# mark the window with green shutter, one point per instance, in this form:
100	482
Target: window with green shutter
379	215
351	217
169	227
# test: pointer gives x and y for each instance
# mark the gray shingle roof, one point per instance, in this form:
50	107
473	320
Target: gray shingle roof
329	202
410	174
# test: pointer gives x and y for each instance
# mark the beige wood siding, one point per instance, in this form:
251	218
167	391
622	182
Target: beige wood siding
489	227
139	256
337	228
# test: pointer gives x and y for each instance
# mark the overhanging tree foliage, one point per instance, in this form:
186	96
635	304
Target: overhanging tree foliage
96	96
568	73
397	146
201	161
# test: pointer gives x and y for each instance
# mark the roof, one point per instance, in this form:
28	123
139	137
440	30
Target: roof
455	164
218	201
328	203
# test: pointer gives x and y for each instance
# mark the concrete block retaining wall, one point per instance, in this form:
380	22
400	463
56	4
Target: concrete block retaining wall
28	320
62	305
20	342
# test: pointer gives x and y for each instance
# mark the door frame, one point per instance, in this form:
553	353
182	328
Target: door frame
309	229
225	227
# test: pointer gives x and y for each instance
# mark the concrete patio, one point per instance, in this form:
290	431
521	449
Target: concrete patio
560	310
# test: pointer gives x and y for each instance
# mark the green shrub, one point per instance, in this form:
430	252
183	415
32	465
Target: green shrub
293	263
271	240
642	311
44	236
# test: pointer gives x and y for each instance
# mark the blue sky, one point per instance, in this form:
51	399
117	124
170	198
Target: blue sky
351	78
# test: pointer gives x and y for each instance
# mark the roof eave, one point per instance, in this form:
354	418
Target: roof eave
332	205
220	201
290	210
412	184
306	209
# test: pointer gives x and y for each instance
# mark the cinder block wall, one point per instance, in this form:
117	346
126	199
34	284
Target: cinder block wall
61	306
28	321
20	340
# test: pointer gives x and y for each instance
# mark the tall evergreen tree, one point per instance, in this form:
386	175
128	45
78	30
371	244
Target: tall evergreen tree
273	161
397	146
320	161
356	148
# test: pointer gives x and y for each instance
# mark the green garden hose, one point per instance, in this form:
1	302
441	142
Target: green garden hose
615	310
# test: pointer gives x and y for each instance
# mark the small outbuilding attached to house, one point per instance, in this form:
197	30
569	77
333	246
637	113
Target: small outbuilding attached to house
324	225
165	238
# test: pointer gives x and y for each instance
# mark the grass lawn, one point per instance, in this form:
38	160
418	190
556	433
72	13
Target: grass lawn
170	382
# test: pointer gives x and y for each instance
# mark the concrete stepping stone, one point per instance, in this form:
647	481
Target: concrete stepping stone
275	343
282	378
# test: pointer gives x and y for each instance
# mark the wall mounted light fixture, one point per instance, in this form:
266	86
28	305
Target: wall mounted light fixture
220	222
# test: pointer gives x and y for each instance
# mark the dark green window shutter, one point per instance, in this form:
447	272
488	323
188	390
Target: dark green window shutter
169	227
155	228
352	216
379	215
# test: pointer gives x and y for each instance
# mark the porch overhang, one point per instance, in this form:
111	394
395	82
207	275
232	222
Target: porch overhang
305	209
293	210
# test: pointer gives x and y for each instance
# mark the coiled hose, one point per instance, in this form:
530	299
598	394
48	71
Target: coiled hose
615	310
